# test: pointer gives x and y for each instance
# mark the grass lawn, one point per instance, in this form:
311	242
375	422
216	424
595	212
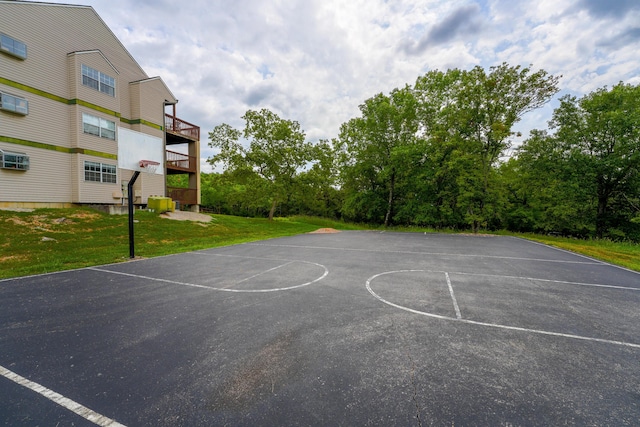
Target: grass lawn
625	254
48	240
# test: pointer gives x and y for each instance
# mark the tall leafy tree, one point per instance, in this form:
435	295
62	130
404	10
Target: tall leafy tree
373	149
276	151
546	190
472	114
318	186
601	132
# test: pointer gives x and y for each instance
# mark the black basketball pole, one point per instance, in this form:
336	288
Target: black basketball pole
130	200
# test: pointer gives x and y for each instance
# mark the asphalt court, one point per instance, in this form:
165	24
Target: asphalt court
352	328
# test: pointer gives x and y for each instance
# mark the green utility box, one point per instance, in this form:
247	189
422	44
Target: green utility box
160	204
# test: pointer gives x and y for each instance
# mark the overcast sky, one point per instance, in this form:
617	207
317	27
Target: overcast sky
315	61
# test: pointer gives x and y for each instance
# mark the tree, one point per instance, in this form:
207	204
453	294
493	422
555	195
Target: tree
317	193
472	114
601	132
546	190
373	148
277	150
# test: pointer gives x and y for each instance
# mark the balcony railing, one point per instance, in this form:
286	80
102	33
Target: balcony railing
186	196
180	161
180	127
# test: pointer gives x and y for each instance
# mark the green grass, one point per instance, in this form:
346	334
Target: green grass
84	237
625	254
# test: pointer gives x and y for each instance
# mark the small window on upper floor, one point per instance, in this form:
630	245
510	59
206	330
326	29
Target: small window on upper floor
13	103
98	126
98	81
12	46
11	160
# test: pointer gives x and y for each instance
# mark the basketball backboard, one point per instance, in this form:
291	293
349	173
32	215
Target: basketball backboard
135	146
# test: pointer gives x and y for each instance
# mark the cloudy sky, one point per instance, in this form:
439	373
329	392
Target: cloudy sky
315	61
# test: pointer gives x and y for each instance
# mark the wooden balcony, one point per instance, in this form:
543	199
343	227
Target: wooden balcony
180	163
186	196
180	132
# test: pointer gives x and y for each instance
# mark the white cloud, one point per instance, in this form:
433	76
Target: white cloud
315	61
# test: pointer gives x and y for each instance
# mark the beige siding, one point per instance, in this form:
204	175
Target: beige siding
59	39
47	179
93	142
94	192
146	129
147	185
151	185
153	94
51	32
134	94
47	121
99	63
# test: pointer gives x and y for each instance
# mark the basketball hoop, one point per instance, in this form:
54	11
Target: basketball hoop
149	166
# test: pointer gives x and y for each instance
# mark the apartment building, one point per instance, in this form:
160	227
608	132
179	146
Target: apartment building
78	114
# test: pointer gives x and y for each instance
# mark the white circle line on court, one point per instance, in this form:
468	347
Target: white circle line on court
593	262
491	325
81	410
211	288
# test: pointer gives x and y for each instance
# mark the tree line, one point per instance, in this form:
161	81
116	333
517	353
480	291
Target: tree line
434	154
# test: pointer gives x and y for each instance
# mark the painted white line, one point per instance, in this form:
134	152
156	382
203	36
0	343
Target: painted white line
555	334
261	273
490	325
558	249
330	248
211	288
593	285
410	310
453	297
577	254
204	253
59	399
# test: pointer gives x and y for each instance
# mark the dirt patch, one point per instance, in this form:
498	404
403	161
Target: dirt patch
12	258
35	221
325	231
271	369
85	215
186	216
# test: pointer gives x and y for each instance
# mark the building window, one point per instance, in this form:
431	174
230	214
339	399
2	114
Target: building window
98	81
11	160
99	172
12	46
99	127
14	104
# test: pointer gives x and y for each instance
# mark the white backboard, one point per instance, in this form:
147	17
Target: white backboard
135	146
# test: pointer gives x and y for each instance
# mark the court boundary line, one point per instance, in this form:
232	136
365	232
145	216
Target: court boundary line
211	288
593	285
486	324
55	397
592	262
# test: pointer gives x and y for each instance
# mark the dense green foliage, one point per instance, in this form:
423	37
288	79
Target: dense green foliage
270	162
434	155
584	178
